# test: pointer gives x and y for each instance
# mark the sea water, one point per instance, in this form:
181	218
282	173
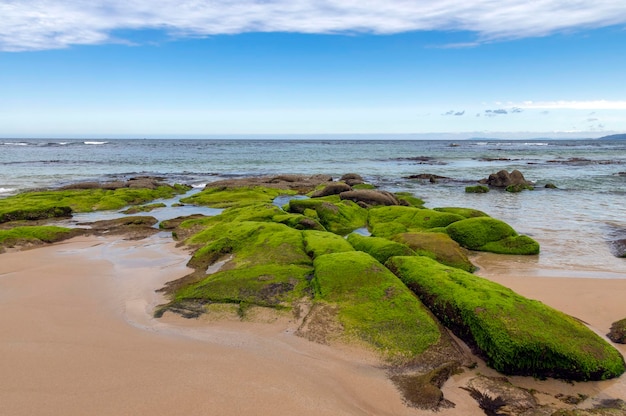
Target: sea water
575	223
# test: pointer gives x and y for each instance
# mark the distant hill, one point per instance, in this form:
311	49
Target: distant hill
613	137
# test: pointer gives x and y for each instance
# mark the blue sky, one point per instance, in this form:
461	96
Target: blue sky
163	68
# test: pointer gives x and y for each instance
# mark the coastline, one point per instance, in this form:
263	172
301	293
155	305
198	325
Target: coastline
79	335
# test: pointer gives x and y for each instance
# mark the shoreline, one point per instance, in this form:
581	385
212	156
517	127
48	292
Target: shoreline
79	335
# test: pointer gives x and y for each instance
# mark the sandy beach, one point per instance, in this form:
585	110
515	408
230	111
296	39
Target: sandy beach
78	338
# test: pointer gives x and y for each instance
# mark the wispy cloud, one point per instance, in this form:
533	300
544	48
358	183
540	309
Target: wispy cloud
49	24
453	113
575	105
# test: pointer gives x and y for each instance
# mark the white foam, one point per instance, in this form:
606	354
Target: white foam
95	142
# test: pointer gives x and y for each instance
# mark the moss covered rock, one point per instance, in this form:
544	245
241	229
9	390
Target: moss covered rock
514	334
318	243
379	248
374	306
61	203
265	264
143	208
618	332
437	246
226	197
388	221
464	212
339	217
489	234
34	235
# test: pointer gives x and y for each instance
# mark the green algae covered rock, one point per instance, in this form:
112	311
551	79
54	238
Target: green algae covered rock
438	247
265	264
318	243
408	199
464	212
388	221
61	203
618	332
226	197
489	234
379	248
143	208
514	334
270	285
373	305
34	235
339	217
251	242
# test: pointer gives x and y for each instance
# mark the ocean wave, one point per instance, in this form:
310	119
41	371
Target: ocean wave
94	143
7	190
535	144
16	144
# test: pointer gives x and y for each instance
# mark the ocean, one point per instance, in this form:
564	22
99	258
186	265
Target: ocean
575	223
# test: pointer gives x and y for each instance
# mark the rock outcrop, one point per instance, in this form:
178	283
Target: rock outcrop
503	179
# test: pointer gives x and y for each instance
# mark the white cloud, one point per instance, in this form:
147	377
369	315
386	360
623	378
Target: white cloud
48	24
575	105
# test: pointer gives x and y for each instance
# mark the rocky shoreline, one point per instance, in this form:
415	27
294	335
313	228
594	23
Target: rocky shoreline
293	259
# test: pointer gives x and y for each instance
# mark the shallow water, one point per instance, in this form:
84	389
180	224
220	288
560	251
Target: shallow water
575	223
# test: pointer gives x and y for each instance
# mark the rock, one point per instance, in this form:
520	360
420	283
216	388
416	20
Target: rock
550	186
334	188
437	246
299	183
490	234
515	335
370	197
496	395
428	177
352	179
502	179
133	227
618	247
618	332
379	248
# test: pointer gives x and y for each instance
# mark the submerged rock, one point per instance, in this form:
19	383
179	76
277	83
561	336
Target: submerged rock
504	179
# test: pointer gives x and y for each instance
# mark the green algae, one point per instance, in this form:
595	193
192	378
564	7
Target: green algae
515	335
477	189
374	306
253	243
437	246
337	216
409	199
317	243
61	203
143	208
464	212
34	235
391	220
226	197
270	285
490	234
379	248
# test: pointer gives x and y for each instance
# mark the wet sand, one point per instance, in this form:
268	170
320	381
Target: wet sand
78	338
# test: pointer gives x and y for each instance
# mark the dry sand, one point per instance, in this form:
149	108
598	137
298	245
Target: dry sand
77	338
